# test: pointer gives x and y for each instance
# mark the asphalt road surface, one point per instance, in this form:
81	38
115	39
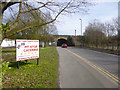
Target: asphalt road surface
83	68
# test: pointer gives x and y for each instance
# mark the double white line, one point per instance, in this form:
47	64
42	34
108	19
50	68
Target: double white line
115	78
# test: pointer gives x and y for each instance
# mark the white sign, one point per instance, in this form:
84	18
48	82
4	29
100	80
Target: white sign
27	49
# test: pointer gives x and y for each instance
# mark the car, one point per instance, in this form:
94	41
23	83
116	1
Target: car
64	45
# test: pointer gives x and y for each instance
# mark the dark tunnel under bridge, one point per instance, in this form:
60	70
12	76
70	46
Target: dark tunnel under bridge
61	41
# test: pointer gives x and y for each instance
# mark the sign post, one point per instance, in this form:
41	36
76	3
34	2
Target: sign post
27	49
18	64
37	61
26	61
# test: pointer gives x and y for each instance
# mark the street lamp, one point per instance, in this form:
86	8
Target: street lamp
81	26
75	32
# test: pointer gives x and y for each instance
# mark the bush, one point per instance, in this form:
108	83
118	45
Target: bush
5	67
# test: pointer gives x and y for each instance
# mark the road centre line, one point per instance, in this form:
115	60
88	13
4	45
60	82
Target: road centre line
115	78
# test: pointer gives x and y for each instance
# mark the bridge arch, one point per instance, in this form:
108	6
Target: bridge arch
61	40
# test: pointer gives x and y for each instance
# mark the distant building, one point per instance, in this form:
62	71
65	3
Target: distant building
8	43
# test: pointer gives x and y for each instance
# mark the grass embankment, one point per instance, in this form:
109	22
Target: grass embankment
30	75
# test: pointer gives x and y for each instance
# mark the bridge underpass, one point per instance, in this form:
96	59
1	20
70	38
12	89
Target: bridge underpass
61	41
66	39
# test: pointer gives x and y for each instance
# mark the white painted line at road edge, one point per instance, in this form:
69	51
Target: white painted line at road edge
115	78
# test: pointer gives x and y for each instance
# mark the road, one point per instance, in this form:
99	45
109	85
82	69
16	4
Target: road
83	68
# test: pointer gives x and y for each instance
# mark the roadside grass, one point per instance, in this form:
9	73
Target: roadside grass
9	50
30	75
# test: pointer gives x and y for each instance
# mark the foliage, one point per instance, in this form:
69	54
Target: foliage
30	75
94	37
0	76
27	15
100	35
5	67
38	32
70	41
5	27
8	50
82	40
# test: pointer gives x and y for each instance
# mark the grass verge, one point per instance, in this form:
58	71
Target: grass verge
30	75
9	50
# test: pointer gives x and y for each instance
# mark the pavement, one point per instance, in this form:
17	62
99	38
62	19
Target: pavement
77	72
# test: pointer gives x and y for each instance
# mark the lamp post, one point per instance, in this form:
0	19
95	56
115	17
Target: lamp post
81	33
75	32
81	26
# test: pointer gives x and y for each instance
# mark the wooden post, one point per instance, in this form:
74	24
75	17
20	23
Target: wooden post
26	61
37	61
18	64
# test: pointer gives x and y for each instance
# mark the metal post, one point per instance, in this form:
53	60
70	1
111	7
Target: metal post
81	27
75	32
81	32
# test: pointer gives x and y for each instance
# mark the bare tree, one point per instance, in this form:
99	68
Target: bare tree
94	35
111	30
55	7
100	34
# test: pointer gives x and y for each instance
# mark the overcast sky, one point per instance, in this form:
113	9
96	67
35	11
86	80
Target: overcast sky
103	11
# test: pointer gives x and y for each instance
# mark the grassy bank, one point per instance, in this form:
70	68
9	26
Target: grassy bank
30	75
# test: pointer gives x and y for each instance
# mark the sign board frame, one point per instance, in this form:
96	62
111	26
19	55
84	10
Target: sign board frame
27	49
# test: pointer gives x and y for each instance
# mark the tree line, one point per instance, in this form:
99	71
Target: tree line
101	35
